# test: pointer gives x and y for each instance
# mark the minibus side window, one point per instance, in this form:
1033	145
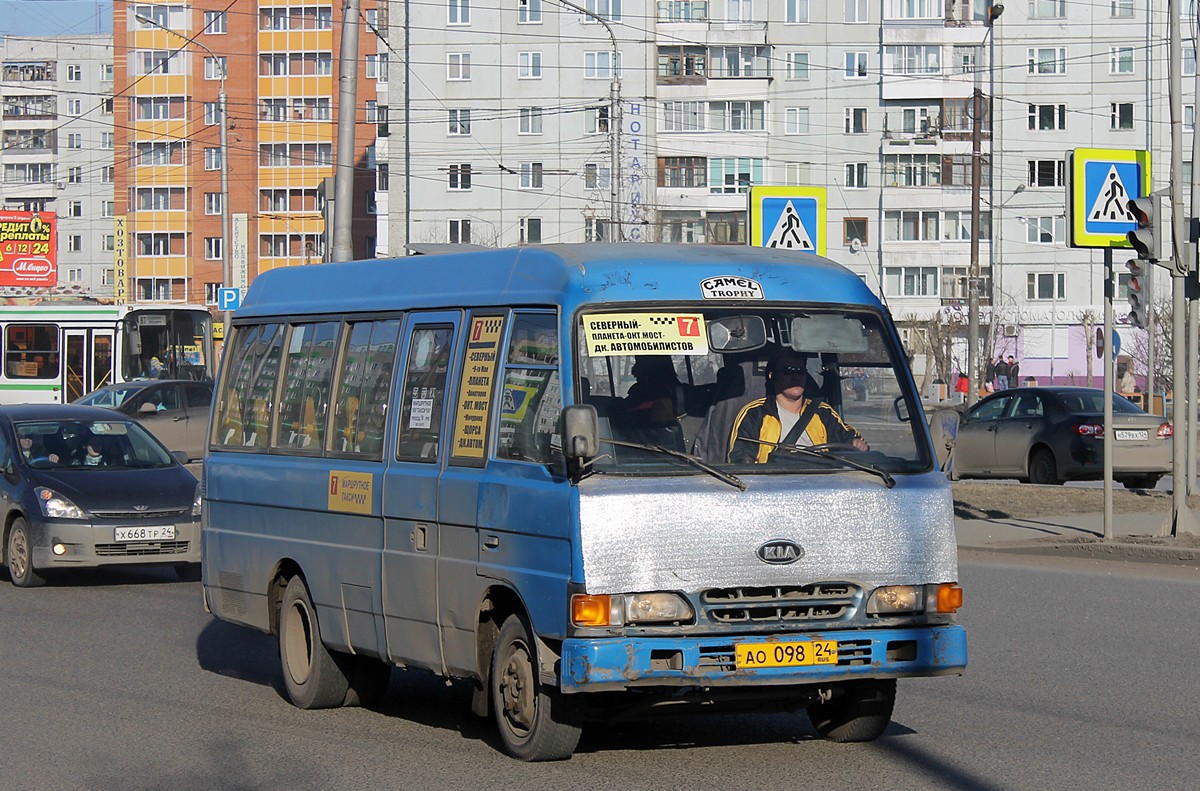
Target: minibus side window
308	371
532	397
424	393
235	415
31	351
258	402
364	384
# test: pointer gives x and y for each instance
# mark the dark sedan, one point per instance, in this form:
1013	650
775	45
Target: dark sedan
84	487
1049	435
175	410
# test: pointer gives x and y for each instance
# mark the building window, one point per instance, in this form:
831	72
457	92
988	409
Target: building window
596	176
681	172
459	13
460	177
736	116
74	243
459	231
1121	8
1121	115
916	9
912	226
108	174
795	121
739	11
212	248
106	106
210	293
74	72
376	67
912	59
856	66
595	230
106	275
529	65
796	11
214	68
212	203
1047	60
605	9
212	113
856	175
106	140
856	120
530	121
1189	119
595	120
108	208
106	72
75	175
911	281
1047	117
956	226
212	159
1120	60
1046	173
531	230
1046	285
74	140
797	66
74	107
531	175
458	66
74	275
683	11
599	65
459	122
529	12
1045	230
854	229
730	175
683	116
214	22
1047	9
75	208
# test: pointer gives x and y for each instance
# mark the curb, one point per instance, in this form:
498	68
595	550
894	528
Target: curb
1102	550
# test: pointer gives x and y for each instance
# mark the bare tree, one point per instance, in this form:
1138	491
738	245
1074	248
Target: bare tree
1088	318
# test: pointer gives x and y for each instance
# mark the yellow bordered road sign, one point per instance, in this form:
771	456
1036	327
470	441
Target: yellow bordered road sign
1100	184
788	218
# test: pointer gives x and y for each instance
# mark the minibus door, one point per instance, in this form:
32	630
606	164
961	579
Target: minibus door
411	540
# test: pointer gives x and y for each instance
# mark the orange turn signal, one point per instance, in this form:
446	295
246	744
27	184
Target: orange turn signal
588	610
949	597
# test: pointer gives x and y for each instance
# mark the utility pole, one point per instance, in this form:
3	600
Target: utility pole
1193	297
343	174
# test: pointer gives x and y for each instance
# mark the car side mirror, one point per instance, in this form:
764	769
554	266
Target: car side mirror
147	409
180	456
581	431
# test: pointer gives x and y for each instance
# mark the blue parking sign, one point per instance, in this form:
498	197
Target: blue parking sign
229	298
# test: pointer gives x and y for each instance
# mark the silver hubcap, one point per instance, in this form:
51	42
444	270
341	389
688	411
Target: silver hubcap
18	553
517	688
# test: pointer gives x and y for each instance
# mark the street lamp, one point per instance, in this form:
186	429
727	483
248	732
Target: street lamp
973	277
223	149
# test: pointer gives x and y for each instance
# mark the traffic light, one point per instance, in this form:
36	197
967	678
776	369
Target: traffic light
1144	239
1137	291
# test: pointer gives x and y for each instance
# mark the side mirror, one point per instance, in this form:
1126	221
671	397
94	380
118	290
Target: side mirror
900	404
147	409
581	431
943	428
180	456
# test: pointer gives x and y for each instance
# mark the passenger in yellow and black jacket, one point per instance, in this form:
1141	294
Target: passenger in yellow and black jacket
775	418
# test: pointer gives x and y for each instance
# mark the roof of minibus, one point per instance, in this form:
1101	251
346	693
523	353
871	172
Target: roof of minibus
563	274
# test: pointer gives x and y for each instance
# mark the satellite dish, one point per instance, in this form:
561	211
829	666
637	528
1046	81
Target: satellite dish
856	245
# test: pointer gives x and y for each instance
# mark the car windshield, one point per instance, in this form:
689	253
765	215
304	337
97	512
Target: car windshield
1089	402
89	444
735	388
109	397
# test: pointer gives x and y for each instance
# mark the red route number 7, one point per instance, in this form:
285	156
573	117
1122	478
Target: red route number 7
688	326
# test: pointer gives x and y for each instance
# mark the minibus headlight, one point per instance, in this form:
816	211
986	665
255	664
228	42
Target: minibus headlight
55	506
896	598
632	609
641	608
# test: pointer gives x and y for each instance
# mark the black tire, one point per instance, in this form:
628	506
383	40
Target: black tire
1140	481
861	713
19	555
369	679
314	676
1042	468
188	572
535	723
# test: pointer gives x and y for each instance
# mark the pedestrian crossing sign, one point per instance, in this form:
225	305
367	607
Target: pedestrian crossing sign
1100	184
788	218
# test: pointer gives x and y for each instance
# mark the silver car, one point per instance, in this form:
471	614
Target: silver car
174	410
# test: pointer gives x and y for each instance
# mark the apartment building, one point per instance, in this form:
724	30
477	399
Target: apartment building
177	184
502	133
56	129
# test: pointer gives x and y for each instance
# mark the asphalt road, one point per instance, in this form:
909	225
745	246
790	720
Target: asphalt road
1083	676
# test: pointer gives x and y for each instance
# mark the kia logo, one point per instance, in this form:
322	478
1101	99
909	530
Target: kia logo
780	552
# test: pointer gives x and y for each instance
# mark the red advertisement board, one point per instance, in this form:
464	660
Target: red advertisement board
28	249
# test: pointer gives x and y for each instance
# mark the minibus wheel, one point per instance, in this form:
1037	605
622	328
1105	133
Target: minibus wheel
19	556
312	674
536	723
861	713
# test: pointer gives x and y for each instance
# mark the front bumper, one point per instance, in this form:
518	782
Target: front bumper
89	545
607	664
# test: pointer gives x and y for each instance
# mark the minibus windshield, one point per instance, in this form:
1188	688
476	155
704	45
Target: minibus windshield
801	390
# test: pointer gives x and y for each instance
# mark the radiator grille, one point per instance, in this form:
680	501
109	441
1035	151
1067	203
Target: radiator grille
823	601
159	513
136	550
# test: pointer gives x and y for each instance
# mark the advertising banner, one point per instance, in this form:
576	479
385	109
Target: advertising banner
28	249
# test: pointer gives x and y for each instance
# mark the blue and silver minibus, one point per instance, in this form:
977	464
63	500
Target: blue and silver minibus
596	481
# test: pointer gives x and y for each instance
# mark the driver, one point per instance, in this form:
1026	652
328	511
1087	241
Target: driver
786	417
31	450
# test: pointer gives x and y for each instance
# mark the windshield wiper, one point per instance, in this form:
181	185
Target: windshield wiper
720	475
800	450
